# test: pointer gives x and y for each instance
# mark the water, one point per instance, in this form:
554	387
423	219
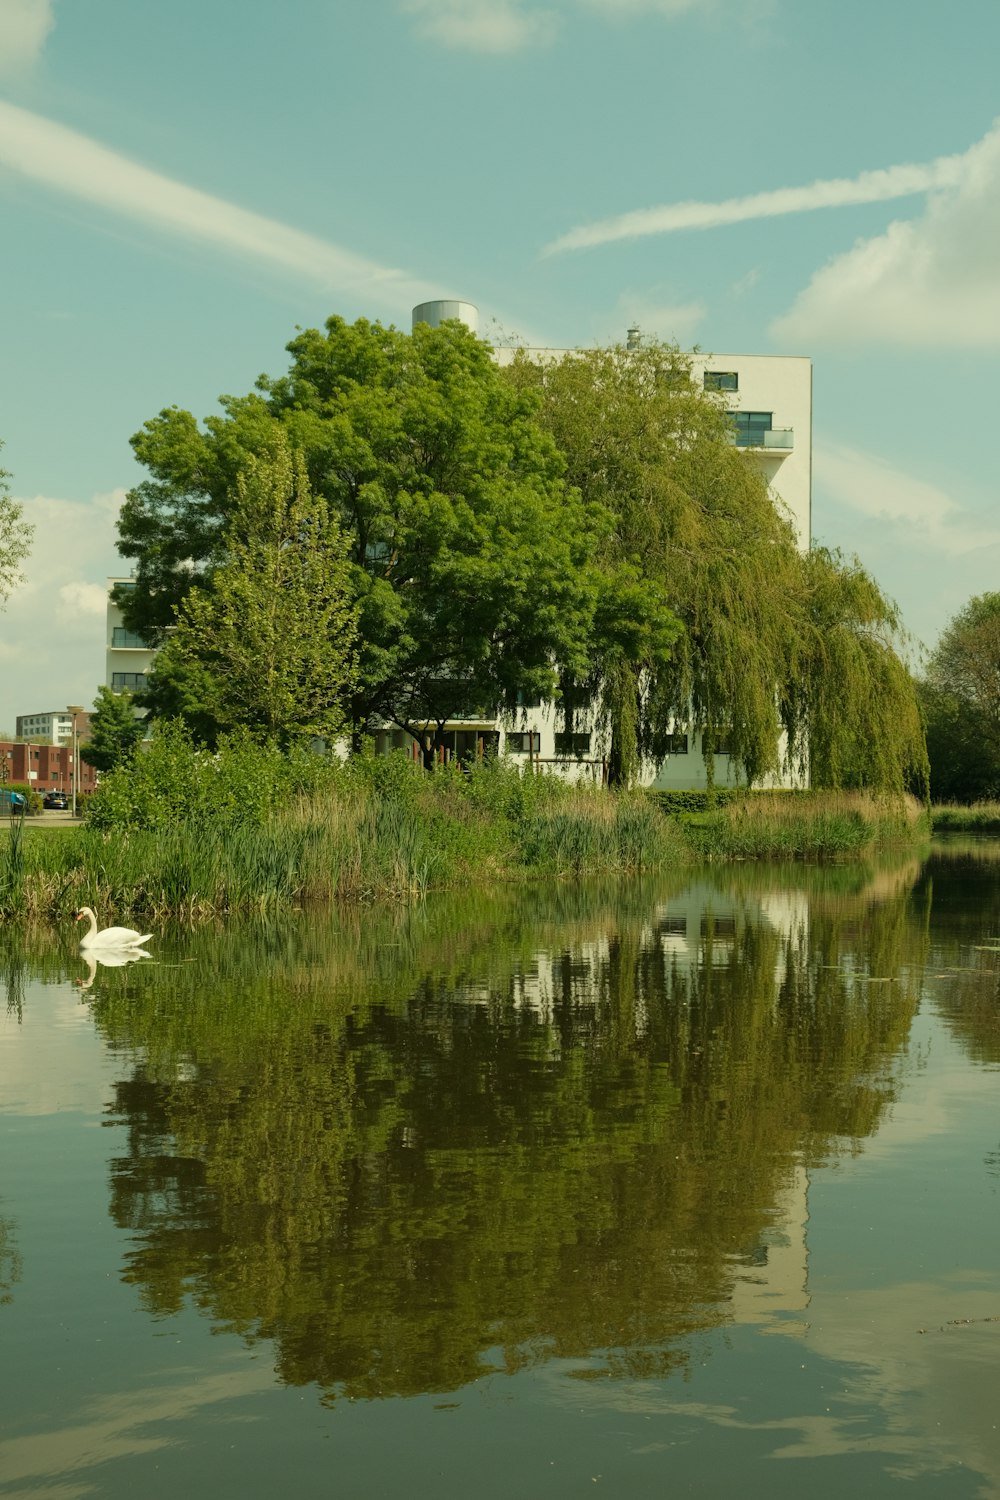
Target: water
688	1187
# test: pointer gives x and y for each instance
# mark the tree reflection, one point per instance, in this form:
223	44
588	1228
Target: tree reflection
482	1134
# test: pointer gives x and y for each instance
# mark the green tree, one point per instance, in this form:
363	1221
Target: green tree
695	542
269	647
15	539
469	555
851	700
961	698
115	733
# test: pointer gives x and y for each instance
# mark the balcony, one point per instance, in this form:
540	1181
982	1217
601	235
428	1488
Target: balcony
753	429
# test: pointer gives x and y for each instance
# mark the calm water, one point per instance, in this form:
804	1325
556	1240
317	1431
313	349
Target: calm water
686	1188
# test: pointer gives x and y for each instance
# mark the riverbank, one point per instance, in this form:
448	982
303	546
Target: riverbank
386	833
974	817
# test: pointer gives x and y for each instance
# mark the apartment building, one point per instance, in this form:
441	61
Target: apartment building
128	656
55	726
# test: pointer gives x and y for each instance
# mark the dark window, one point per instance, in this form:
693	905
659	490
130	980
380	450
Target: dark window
570	743
524	742
528	700
122	637
751	427
134	681
677	744
722	380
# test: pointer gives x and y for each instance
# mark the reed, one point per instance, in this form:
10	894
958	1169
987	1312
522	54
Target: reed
806	825
973	817
385	830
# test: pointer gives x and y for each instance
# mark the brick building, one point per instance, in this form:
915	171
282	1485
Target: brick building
44	768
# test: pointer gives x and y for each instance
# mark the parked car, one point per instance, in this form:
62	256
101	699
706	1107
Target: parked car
56	799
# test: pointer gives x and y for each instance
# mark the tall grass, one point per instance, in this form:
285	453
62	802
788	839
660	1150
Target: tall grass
813	825
313	831
974	817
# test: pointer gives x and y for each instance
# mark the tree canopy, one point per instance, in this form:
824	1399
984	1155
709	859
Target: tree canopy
114	732
15	539
733	632
269	648
469	556
961	697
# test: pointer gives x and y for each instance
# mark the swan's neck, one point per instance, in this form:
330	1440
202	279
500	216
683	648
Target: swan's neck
92	929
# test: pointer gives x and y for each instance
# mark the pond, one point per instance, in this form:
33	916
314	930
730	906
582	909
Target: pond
687	1187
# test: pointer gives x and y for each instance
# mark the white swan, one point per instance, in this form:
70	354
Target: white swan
109	937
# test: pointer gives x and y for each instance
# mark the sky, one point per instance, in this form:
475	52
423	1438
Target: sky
183	186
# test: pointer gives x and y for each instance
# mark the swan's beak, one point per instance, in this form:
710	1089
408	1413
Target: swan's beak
76	915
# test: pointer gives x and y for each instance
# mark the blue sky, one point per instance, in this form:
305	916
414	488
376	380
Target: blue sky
182	185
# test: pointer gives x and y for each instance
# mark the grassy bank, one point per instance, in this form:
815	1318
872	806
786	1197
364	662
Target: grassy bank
383	830
974	817
805	825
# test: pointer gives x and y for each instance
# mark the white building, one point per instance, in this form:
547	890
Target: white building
55	726
128	656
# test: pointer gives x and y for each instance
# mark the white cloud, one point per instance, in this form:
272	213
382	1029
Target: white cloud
506	26
920	516
933	280
24	27
482	25
69	162
869	187
53	628
82	599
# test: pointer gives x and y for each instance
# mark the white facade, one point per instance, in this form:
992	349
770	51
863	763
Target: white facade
55	727
128	657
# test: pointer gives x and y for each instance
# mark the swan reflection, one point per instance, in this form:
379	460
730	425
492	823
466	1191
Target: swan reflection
112	959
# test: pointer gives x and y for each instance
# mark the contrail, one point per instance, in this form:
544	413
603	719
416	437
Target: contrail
870	187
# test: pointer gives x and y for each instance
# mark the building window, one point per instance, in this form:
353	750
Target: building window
528	700
120	637
134	681
677	744
524	742
568	742
751	427
722	380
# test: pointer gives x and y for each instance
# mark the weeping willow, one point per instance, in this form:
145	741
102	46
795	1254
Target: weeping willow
712	619
851	704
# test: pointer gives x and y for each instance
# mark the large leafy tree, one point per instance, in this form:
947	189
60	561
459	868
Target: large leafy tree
850	697
961	696
770	639
15	539
699	568
470	557
114	733
269	647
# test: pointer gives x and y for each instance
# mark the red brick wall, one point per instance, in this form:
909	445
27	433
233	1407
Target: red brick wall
45	767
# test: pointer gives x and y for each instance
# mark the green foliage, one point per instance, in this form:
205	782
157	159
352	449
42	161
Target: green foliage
15	539
115	733
470	557
961	701
695	542
269	647
806	825
850	703
673	803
